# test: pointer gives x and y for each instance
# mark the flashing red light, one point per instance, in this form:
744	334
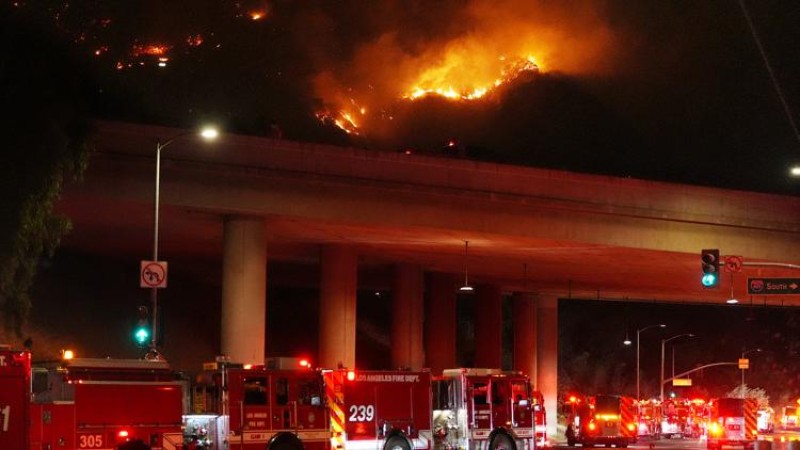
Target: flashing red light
592	426
122	433
304	363
351	375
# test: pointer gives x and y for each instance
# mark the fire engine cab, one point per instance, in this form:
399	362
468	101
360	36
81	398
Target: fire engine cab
477	409
89	404
602	419
733	421
283	406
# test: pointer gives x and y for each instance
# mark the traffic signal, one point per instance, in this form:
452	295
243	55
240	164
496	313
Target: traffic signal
141	333
710	265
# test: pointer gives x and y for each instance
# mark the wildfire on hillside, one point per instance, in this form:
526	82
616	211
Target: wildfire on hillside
500	42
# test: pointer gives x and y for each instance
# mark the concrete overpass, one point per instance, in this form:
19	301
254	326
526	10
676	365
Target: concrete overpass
539	234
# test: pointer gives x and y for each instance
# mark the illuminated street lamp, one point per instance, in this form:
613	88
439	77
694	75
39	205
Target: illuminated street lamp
207	133
664	341
746	352
638	332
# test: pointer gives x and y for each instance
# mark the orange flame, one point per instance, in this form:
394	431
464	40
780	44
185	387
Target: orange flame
507	72
503	41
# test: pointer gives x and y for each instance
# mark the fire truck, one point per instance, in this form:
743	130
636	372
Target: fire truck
478	409
89	404
280	407
789	417
648	418
733	421
602	419
283	406
540	417
698	418
675	415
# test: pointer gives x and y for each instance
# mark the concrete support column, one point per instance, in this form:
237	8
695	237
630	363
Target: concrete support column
244	290
407	315
547	357
488	326
525	326
337	310
440	323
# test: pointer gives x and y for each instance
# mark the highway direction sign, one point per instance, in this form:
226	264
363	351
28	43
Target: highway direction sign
773	286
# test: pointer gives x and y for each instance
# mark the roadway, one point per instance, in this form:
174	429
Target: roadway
780	440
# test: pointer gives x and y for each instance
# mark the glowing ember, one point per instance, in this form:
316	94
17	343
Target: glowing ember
151	50
194	40
257	15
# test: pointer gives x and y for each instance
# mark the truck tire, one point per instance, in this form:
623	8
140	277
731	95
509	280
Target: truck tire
397	442
134	445
284	441
502	441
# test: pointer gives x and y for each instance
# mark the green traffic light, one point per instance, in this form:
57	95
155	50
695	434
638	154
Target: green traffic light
709	280
142	335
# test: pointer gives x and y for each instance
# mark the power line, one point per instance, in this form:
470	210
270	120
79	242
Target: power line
771	72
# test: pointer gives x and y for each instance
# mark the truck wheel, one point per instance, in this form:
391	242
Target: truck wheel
134	445
570	442
502	441
396	443
284	441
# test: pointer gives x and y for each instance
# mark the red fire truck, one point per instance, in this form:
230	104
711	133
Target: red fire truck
278	407
281	406
602	419
541	420
483	409
89	404
733	421
15	373
675	416
649	419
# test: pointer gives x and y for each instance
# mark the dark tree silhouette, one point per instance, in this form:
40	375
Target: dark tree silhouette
43	142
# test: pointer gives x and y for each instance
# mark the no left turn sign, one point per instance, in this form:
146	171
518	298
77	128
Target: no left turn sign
733	264
153	274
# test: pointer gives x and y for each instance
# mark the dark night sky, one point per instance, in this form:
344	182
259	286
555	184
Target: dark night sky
649	89
660	90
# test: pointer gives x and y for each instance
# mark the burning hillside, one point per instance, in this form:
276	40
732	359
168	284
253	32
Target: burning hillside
496	44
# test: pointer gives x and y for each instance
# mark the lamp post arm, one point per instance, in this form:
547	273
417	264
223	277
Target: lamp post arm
699	368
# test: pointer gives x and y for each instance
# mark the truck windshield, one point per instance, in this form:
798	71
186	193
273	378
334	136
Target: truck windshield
605	404
731	407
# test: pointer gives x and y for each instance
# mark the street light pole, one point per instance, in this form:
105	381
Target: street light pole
745	352
207	134
638	332
664	341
